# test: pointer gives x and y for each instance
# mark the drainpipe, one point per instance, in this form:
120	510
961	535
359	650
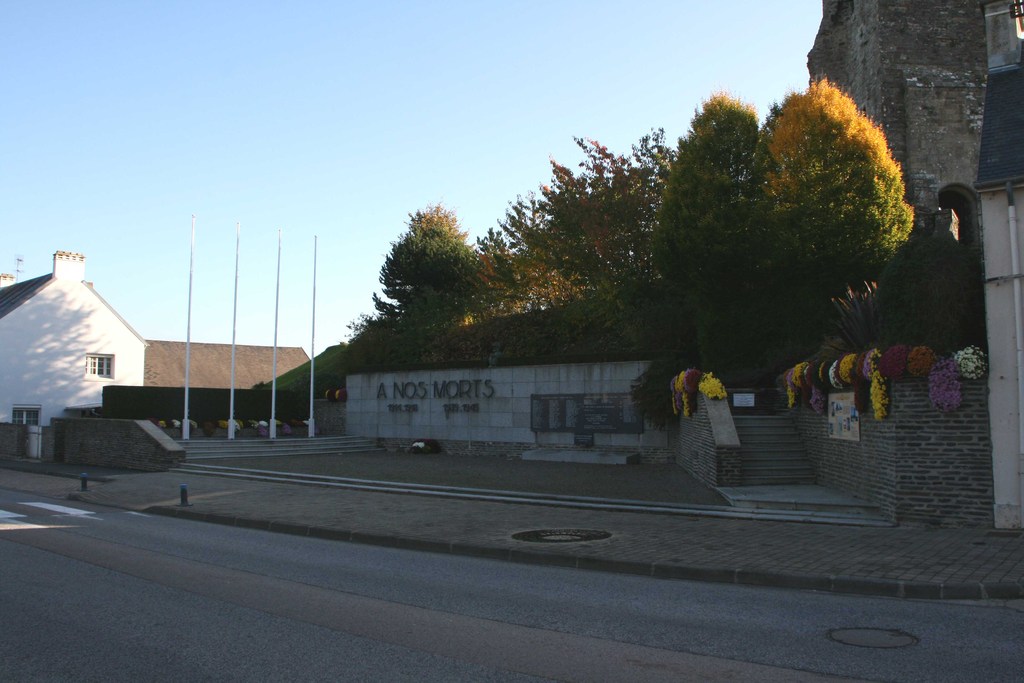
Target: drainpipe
1018	319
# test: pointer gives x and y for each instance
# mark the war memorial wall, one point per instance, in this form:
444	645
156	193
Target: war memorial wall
506	411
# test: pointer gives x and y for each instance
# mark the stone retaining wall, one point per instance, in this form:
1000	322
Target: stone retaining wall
13	440
919	465
707	446
128	444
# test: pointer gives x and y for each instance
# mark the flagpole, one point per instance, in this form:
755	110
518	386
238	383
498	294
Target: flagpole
188	327
312	350
234	330
273	383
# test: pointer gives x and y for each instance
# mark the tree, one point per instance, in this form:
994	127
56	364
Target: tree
431	266
706	242
833	201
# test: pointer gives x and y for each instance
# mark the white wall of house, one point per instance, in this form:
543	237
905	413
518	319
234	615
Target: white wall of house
1004	388
46	342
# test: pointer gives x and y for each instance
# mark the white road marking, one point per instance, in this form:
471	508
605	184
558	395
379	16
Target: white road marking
4	514
60	508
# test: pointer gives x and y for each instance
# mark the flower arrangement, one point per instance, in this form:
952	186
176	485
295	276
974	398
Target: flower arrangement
920	361
971	362
833	376
425	446
893	362
846	368
869	364
712	387
818	400
944	385
879	396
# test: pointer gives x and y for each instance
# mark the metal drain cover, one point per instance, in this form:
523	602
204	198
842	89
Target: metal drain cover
561	535
872	637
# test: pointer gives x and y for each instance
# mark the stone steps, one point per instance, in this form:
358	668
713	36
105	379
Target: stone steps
771	451
207	448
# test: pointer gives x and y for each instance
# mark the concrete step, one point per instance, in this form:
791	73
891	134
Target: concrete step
204	449
801	498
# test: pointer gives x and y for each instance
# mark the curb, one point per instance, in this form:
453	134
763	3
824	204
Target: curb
850	585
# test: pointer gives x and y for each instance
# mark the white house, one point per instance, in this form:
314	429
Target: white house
1000	186
61	343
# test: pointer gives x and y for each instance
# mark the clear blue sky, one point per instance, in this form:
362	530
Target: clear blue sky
120	120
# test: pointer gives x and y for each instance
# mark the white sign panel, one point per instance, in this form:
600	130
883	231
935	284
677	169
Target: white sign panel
843	418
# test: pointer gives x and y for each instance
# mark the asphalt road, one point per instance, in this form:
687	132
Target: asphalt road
94	593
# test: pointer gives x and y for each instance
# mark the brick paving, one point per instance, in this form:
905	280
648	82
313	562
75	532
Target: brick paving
908	562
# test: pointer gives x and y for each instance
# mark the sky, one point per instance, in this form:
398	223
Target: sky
329	123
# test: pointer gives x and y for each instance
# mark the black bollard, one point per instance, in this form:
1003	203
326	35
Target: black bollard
85	481
184	496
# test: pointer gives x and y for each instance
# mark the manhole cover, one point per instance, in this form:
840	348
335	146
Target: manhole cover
872	637
561	535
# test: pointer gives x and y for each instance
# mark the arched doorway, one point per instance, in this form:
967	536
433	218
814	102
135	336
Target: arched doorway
959	204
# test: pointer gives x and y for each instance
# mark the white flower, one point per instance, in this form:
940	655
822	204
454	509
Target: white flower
971	362
419	444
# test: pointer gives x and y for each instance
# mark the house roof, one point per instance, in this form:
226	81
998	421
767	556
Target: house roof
15	295
1002	134
210	366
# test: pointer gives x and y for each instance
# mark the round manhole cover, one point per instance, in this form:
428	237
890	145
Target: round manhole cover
561	535
872	637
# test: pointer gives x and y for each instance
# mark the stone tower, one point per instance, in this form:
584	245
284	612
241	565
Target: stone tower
917	68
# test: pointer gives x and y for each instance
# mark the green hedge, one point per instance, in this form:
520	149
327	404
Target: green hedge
168	403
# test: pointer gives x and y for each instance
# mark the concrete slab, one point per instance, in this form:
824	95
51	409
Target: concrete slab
795	497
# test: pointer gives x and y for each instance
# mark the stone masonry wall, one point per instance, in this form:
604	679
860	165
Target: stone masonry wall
919	465
13	440
918	69
700	454
329	417
129	444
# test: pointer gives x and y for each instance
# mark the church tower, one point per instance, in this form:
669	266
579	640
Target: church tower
917	68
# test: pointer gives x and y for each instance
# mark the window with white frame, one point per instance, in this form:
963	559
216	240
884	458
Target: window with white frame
25	415
99	366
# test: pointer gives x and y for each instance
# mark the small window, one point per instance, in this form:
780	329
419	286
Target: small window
25	416
99	366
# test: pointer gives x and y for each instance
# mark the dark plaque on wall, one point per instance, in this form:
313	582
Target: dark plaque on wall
585	414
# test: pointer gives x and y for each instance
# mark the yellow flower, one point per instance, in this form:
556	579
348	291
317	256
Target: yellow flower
846	368
712	387
879	397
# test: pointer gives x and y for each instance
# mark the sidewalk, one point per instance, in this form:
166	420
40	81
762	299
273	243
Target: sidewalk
899	562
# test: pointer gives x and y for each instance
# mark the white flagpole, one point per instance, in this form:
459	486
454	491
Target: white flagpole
273	383
188	327
312	350
234	329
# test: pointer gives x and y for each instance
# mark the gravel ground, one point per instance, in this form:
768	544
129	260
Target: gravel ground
653	483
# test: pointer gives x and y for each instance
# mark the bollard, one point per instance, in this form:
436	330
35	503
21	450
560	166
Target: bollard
184	496
85	481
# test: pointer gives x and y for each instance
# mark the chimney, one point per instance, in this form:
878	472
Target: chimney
6	280
68	265
1004	26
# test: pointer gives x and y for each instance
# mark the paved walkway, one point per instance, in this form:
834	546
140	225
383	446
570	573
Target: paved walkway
900	562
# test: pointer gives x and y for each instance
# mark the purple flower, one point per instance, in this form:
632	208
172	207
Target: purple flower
817	400
944	385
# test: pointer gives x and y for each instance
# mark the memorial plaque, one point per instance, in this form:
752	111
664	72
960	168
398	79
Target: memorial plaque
585	414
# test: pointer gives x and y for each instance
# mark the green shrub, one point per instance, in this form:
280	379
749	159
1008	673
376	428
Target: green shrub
931	294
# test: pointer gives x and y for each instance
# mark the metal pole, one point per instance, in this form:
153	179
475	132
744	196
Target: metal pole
185	427
273	382
312	350
234	330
